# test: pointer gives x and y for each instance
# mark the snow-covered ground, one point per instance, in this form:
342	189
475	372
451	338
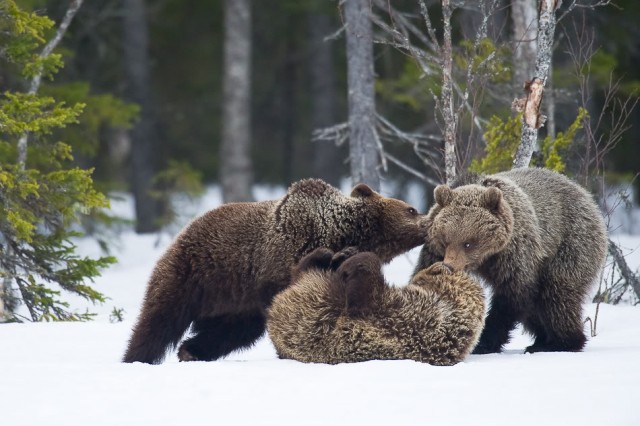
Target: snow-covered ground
70	373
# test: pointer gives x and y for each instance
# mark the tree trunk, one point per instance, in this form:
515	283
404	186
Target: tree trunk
145	133
235	149
532	120
447	104
327	157
363	149
290	108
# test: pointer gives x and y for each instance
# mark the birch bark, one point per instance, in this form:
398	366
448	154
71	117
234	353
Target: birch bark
532	120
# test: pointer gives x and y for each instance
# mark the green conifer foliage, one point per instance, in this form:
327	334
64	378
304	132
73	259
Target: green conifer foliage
503	138
43	199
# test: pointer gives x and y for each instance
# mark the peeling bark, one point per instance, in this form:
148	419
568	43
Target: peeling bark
532	120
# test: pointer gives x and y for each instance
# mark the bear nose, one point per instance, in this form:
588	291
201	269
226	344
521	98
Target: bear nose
454	261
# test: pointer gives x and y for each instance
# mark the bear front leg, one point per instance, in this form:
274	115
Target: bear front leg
499	323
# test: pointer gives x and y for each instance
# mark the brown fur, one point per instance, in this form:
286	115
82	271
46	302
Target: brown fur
223	270
351	314
539	241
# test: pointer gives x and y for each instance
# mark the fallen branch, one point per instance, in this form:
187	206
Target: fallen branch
631	278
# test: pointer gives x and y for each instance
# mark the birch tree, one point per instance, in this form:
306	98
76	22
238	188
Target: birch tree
524	22
235	148
530	105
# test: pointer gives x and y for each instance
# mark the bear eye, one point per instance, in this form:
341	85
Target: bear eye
467	245
412	211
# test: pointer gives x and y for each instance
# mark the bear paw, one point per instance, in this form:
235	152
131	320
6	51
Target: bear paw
439	268
341	256
184	355
482	349
319	258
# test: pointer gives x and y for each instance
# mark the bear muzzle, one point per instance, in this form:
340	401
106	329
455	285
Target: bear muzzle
455	261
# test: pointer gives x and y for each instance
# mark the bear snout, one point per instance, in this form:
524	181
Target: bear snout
455	260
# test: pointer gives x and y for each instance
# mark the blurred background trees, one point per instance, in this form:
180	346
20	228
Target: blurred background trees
157	97
163	61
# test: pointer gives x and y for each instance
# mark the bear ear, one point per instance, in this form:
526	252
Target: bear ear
362	190
491	198
443	195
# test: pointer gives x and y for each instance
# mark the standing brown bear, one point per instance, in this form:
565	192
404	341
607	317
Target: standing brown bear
339	310
223	269
539	241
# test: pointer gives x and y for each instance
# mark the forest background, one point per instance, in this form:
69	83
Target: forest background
298	84
157	98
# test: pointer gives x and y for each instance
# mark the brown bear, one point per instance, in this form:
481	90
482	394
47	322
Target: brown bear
536	237
223	269
339	310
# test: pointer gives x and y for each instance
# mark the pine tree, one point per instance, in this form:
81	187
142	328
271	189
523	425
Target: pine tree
42	194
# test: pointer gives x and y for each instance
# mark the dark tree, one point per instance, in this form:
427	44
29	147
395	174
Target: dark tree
327	157
363	141
235	154
145	133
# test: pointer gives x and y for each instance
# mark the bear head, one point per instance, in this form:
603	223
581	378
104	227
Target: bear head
391	226
469	224
315	214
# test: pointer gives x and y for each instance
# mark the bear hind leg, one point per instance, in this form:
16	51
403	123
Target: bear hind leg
217	337
557	324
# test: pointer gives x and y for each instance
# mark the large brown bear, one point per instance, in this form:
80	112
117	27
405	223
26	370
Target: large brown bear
223	269
346	312
539	241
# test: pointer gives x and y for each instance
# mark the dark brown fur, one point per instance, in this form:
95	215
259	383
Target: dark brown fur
539	241
223	270
334	313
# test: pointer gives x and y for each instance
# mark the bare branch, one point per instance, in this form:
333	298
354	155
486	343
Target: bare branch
574	4
625	271
411	170
338	133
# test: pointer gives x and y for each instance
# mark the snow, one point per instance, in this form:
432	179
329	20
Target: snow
70	373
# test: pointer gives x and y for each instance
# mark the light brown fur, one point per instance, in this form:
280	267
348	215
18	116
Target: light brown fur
539	241
222	270
351	314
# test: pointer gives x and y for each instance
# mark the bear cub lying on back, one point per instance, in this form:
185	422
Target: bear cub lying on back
340	309
536	237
